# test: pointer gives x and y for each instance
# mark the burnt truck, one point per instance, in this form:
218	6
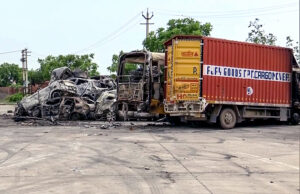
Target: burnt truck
140	83
228	82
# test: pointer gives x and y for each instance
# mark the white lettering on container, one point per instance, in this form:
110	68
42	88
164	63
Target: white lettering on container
243	73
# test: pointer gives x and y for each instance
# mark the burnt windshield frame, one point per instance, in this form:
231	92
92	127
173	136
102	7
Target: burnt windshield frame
124	78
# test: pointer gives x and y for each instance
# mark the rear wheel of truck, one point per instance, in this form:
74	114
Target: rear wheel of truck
227	118
295	119
175	121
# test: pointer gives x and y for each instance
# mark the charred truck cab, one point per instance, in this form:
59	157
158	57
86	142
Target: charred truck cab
140	82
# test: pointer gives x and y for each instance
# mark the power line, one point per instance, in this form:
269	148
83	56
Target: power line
224	16
234	14
279	6
116	35
39	54
110	35
10	52
124	30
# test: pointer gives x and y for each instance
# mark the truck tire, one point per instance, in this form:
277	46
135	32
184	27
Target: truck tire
295	119
227	118
175	121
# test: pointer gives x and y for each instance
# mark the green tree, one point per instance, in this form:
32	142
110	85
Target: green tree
187	26
113	68
35	76
83	62
258	35
290	44
10	74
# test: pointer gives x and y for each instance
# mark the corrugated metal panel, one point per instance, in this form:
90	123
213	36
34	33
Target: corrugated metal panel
269	68
183	70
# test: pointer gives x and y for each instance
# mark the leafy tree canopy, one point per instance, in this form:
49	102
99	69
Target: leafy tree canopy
187	26
83	62
291	44
35	77
10	74
258	35
113	68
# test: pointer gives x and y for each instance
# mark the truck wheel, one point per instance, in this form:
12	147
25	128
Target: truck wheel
227	118
175	121
295	118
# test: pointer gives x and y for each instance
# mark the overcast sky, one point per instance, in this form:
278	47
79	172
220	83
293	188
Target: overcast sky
105	27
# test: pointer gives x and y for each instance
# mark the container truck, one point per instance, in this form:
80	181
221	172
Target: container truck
228	81
140	85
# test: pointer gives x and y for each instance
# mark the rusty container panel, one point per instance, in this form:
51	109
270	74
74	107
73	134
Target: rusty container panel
245	73
183	63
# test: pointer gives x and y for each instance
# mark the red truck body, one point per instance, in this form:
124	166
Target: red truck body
210	79
245	73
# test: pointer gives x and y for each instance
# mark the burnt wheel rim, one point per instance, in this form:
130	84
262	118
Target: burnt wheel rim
111	116
56	95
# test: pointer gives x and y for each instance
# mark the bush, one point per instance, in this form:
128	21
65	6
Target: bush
15	97
17	86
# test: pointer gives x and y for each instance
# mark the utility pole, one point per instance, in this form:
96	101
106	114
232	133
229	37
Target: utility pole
147	18
25	68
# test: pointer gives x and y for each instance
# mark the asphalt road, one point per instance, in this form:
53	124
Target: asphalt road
148	159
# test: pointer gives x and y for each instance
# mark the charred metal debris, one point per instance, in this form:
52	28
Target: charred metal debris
71	95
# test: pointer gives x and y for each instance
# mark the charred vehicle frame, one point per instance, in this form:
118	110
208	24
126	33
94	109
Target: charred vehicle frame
140	81
70	95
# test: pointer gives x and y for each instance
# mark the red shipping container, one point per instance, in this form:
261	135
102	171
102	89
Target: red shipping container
245	73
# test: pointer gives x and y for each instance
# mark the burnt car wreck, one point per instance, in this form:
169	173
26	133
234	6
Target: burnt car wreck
71	95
